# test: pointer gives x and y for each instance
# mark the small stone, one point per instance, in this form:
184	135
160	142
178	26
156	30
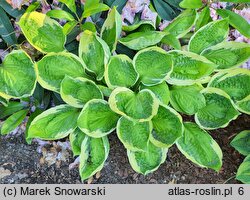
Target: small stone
12	164
120	173
42	161
153	181
98	175
43	150
125	173
90	180
53	150
135	176
21	175
4	172
58	163
178	173
172	182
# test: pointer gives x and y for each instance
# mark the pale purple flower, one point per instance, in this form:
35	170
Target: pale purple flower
63	145
41	144
128	15
163	24
235	35
45	6
3	53
148	14
245	13
17	4
56	2
75	164
166	47
17	29
213	14
136	6
62	22
246	65
215	6
238	37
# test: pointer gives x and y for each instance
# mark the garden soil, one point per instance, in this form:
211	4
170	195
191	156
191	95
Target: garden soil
22	163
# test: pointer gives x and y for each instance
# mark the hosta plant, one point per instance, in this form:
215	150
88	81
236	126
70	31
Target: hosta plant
139	92
242	144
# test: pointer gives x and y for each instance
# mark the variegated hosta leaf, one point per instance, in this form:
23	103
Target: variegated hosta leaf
153	65
94	152
3	101
94	52
78	91
244	171
189	68
32	116
209	35
92	7
70	4
190	3
53	67
76	138
97	119
242	142
67	28
120	72
187	99
137	23
13	121
112	29
244	105
204	18
11	108
218	112
133	134
141	40
60	14
45	34
140	106
53	124
171	41
167	127
199	147
235	82
161	91
17	76
148	161
228	54
236	20
182	24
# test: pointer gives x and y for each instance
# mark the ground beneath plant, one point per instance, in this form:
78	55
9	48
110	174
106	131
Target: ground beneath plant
21	163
